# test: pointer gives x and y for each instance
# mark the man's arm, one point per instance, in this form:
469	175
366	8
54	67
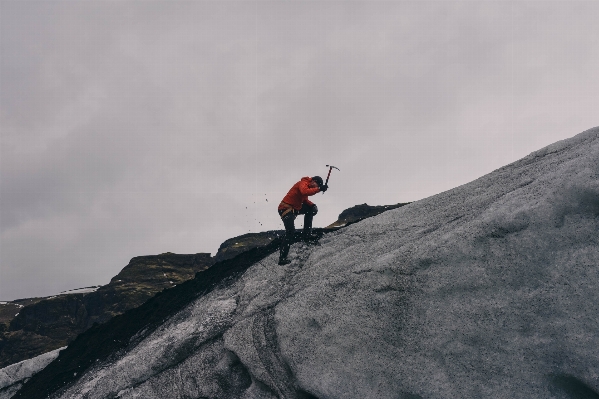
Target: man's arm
305	190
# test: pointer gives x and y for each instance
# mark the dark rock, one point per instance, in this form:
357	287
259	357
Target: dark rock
237	245
360	212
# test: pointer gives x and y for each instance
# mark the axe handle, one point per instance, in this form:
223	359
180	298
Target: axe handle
329	175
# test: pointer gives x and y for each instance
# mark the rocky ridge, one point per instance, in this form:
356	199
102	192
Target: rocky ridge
360	212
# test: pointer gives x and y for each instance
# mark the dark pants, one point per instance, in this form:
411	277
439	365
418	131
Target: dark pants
289	222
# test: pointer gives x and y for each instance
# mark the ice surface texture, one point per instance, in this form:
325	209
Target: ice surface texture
12	377
489	290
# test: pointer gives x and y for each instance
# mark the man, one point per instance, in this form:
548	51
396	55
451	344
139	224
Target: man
295	203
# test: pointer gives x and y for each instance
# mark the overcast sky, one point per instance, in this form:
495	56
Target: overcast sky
133	128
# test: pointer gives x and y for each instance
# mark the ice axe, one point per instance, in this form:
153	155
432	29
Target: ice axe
329	175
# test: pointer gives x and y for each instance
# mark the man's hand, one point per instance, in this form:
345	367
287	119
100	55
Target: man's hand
324	188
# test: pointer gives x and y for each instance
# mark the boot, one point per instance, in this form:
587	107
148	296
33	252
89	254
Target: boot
283	251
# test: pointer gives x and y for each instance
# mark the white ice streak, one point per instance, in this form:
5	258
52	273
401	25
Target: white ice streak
85	290
14	376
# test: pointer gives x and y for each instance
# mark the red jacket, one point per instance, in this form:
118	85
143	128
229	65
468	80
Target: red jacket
299	194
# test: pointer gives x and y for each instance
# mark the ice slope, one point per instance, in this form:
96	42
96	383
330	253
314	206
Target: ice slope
489	290
12	377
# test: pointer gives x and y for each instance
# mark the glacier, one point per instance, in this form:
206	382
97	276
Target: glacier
488	290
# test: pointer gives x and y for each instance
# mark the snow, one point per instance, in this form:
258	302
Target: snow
85	290
487	290
12	377
12	303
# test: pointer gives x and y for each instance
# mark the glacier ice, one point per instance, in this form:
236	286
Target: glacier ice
487	290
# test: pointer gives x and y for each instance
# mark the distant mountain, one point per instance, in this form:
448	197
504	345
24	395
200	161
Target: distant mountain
31	327
489	290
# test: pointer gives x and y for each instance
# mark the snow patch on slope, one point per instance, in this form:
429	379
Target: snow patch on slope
85	290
